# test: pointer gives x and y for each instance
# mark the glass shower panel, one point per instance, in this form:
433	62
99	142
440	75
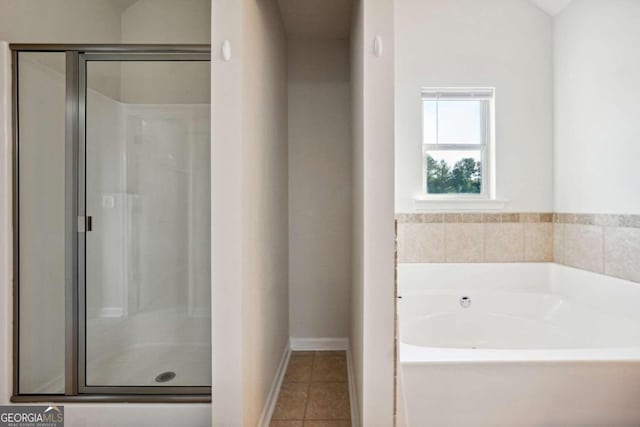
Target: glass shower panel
147	284
41	219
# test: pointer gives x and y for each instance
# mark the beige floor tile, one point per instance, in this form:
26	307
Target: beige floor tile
329	369
291	402
328	401
299	369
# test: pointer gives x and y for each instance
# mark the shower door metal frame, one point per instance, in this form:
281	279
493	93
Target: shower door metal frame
76	388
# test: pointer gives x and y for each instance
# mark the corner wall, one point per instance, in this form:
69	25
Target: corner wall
372	322
597	135
597	131
265	302
319	188
249	207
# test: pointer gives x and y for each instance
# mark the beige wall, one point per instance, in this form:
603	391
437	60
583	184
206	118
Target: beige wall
249	207
372	324
59	21
65	21
166	21
264	214
110	21
227	164
357	290
319	188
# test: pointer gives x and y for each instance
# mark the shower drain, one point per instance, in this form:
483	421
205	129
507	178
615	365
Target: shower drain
165	376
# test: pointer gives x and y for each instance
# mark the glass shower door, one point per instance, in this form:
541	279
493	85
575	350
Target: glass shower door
145	280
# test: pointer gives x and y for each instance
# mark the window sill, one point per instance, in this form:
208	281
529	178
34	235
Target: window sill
425	204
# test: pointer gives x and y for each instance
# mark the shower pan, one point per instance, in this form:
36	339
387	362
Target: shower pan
112	223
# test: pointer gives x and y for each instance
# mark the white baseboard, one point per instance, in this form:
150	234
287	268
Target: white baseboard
353	397
274	392
319	344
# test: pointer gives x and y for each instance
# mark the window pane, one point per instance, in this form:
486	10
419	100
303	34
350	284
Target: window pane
454	172
460	122
429	125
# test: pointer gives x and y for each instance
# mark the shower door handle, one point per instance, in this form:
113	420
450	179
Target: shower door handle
85	223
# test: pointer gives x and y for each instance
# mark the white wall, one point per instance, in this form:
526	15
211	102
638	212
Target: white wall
249	207
504	44
372	322
597	106
319	188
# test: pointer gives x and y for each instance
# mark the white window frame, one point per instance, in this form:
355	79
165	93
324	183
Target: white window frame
486	147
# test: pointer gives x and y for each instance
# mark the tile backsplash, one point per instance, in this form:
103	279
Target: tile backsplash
608	244
475	237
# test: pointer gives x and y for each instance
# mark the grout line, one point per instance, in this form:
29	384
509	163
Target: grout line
444	242
603	252
522	256
604	255
484	243
564	244
306	404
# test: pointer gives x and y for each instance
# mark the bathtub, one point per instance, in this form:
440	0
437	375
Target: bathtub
517	345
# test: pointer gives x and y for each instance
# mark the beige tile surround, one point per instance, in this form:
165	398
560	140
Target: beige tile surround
475	237
608	244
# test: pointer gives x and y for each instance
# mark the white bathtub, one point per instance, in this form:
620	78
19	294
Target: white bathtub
539	345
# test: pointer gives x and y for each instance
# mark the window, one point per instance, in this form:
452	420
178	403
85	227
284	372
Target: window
456	142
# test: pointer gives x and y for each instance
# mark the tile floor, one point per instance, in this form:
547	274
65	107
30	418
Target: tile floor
315	391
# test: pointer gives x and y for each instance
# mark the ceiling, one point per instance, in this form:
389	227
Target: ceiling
324	19
552	7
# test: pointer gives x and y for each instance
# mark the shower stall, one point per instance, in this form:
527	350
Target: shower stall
112	296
